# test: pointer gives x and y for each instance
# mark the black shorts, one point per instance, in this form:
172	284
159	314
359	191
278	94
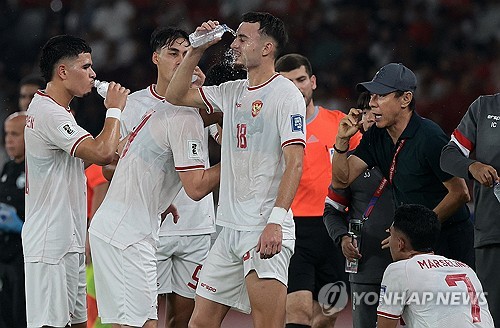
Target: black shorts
316	261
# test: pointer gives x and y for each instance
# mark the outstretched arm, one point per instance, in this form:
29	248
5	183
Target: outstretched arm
179	91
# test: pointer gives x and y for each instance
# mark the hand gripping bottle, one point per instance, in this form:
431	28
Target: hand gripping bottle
355	228
198	38
102	87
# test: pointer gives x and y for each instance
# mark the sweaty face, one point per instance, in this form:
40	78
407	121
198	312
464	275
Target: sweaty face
26	93
169	57
14	137
304	83
79	75
247	46
386	109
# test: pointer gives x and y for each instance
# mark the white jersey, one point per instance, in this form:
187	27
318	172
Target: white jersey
196	218
56	203
167	140
433	291
258	122
138	103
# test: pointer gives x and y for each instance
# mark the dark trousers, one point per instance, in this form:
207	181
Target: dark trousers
12	296
456	241
364	304
487	271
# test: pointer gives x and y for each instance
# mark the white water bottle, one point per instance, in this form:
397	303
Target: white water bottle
198	38
102	87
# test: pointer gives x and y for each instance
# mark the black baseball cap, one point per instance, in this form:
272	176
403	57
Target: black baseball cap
392	77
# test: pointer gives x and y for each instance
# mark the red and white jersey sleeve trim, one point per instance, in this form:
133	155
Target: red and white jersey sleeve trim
293	141
78	142
337	201
189	168
210	108
465	145
388	315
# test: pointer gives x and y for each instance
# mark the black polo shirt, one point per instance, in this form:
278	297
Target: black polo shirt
418	178
12	182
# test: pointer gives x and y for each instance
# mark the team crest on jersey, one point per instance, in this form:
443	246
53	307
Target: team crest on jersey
67	129
297	121
256	107
194	149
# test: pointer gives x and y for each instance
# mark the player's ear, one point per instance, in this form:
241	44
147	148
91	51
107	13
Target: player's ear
268	49
61	71
154	58
401	244
406	99
313	81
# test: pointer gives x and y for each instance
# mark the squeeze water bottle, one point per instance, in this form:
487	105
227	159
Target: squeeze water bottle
198	38
102	87
355	229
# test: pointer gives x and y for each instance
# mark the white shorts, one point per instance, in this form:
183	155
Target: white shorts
180	259
56	293
231	258
125	282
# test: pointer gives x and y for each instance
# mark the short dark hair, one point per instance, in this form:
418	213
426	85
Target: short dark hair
413	102
33	79
363	100
269	25
420	224
57	48
165	36
289	62
220	73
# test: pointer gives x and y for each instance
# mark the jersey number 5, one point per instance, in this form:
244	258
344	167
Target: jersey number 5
452	280
195	277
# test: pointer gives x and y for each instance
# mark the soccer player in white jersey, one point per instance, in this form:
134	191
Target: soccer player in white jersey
423	289
56	207
164	149
261	164
183	245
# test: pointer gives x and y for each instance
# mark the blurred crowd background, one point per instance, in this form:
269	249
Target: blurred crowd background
452	45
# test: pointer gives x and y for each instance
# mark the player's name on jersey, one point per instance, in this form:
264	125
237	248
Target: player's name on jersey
433	263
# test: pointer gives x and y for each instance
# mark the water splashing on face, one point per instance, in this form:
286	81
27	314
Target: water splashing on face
230	60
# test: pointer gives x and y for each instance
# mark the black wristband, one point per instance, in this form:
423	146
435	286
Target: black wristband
340	151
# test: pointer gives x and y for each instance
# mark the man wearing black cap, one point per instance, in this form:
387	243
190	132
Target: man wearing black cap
407	148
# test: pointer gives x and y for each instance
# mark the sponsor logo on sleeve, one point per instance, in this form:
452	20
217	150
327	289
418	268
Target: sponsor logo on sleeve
68	130
194	149
297	121
383	289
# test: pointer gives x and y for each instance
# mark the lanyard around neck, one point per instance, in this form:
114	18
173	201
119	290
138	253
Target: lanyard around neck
380	189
